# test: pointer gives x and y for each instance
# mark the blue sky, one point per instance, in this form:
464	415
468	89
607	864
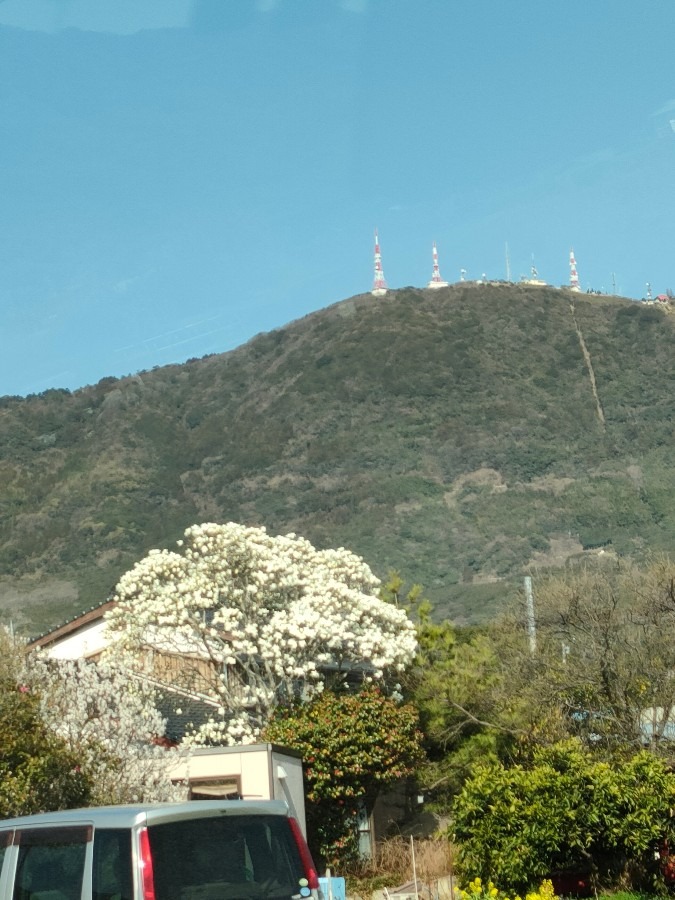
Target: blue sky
179	175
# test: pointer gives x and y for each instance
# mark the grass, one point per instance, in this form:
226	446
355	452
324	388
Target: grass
628	895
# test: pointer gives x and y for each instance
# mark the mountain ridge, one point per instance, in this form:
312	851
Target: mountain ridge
455	434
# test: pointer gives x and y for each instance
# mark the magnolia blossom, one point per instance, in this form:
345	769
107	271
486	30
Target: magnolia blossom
256	620
109	718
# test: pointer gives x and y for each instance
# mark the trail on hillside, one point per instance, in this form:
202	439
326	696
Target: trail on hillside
589	366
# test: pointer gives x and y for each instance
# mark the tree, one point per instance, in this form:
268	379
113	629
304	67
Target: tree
604	655
600	669
108	719
256	621
565	810
95	719
354	746
459	685
38	771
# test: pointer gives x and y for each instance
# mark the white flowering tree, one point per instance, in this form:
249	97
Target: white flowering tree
249	621
108	718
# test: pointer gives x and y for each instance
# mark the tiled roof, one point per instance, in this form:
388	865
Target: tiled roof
184	713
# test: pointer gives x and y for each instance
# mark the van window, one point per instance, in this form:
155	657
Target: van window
50	864
231	857
112	865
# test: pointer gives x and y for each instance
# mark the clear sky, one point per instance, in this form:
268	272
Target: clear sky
179	175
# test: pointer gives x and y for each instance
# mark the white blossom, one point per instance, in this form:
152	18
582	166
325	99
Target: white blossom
283	617
109	718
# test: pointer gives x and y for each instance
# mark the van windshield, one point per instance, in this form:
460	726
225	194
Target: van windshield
227	858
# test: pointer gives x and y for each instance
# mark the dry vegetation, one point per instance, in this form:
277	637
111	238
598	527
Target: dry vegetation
392	866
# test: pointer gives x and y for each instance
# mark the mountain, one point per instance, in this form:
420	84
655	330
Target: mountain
461	435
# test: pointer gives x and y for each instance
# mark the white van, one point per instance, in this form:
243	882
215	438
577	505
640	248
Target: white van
201	850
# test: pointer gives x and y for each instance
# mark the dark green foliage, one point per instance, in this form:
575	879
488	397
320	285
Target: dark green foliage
37	772
453	435
353	747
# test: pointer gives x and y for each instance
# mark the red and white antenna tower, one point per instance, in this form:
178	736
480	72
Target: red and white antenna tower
574	277
436	280
379	284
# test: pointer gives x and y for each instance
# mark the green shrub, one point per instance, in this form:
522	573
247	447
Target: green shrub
565	811
38	772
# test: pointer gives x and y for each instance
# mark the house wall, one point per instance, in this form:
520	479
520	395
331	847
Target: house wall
88	641
263	771
290	786
389	811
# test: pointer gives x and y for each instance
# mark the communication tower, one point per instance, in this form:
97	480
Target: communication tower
379	284
436	280
574	277
534	276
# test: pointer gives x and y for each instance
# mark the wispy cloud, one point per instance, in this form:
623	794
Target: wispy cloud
355	6
352	6
163	335
113	16
666	108
49	381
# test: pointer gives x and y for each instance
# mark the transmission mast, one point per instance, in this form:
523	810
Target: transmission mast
574	277
436	280
379	284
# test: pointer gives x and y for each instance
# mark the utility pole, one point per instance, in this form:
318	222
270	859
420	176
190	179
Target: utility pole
531	626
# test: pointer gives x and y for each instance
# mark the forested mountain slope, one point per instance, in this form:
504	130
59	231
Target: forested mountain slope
460	435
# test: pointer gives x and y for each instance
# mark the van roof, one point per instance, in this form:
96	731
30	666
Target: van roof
149	813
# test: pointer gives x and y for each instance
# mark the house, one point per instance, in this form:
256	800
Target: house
181	671
183	677
83	637
254	771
